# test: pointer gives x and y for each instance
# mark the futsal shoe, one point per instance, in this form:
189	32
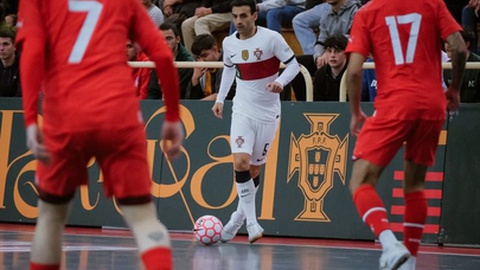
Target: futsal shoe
255	232
394	257
409	264
231	228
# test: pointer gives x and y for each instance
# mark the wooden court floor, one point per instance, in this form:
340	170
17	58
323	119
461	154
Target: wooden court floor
94	248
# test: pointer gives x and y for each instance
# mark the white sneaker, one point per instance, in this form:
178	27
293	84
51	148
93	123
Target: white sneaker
255	232
231	228
394	257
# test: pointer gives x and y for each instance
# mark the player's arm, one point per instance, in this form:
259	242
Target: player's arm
228	76
284	53
459	56
354	88
31	41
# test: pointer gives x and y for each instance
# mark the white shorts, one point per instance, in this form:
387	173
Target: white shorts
252	137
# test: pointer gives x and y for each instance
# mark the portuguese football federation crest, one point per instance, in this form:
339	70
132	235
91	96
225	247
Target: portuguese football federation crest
318	157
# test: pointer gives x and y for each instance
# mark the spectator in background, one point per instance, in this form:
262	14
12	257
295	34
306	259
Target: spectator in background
306	23
209	17
9	68
205	82
326	85
369	83
470	89
141	76
337	21
154	12
177	11
470	19
173	39
11	21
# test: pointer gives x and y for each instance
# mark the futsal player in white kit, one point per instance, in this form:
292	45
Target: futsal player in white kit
252	54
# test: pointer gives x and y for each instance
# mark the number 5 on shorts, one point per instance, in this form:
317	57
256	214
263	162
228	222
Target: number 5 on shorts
93	9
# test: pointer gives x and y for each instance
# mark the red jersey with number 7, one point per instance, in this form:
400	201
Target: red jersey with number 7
404	38
84	74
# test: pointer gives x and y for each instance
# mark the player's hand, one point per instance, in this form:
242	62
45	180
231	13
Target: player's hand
321	60
217	110
36	145
274	87
453	99
356	121
172	139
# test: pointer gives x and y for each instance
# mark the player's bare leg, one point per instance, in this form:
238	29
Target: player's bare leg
151	235
415	210
365	176
47	241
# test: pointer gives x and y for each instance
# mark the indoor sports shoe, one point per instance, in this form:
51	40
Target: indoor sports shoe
409	264
394	257
231	228
255	232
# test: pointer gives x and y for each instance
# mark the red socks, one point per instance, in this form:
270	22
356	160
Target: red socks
371	209
414	220
158	258
39	266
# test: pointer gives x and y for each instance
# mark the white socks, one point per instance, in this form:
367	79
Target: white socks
246	195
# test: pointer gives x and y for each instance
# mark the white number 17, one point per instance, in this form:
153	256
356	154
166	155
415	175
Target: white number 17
414	19
93	9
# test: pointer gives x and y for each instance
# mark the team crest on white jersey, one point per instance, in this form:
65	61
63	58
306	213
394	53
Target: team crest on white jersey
239	141
258	53
245	55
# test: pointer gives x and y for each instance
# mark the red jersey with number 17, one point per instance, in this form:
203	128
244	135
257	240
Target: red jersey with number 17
404	37
84	74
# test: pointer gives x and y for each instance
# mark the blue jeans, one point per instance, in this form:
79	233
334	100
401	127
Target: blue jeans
469	19
305	24
274	17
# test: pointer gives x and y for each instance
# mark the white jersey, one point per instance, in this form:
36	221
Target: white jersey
257	62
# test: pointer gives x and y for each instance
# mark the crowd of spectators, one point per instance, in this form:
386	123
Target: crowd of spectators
189	27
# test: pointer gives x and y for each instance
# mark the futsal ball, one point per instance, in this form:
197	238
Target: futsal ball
208	229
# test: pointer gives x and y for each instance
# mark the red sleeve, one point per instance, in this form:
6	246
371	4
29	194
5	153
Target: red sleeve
145	74
359	40
31	41
153	44
447	23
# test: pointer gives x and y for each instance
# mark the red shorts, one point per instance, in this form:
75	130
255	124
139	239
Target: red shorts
120	153
380	139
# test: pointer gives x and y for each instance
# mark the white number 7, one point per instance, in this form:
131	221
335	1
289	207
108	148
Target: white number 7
93	9
412	18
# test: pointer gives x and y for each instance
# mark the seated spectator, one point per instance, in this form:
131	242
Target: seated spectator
326	85
141	76
205	82
306	23
155	12
173	39
470	19
209	17
9	68
337	21
177	11
369	83
470	90
272	13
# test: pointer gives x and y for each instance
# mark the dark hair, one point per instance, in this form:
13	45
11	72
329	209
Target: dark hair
338	42
239	3
170	26
7	32
468	34
203	42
